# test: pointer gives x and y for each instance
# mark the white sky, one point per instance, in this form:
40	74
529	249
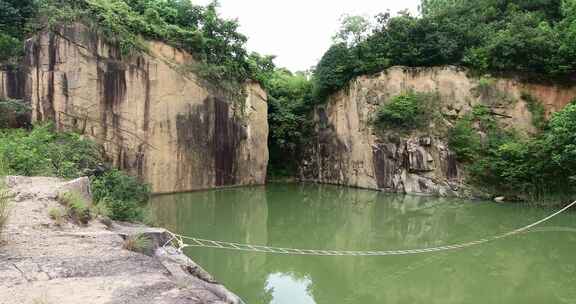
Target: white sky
298	32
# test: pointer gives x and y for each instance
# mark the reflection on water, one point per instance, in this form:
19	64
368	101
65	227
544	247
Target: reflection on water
284	288
530	268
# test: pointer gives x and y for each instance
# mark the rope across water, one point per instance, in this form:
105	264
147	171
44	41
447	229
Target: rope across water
187	241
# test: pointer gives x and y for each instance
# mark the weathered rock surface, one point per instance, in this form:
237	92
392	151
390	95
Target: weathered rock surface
80	186
12	82
348	150
13	87
43	263
154	119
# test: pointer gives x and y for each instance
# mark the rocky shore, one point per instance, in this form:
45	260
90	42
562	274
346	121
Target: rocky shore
42	262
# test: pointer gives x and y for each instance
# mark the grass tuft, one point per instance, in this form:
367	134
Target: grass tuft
58	215
76	207
138	243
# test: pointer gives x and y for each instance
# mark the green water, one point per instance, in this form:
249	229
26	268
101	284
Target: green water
537	267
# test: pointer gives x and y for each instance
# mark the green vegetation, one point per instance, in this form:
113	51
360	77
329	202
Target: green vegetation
537	109
464	140
4	171
406	111
501	161
289	116
215	42
76	207
122	196
138	243
116	185
43	152
57	215
13	113
535	38
4	196
14	18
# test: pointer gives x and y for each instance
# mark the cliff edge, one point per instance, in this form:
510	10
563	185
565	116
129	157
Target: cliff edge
348	149
43	261
154	117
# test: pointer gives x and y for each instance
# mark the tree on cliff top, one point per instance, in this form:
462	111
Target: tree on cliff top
14	16
532	37
199	30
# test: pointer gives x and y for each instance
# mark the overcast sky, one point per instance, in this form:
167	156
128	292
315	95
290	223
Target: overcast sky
298	32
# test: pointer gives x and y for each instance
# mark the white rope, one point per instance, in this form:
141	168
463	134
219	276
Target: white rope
198	242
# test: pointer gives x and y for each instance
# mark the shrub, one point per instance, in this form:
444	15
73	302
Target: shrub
57	215
464	140
43	152
76	207
537	168
407	111
121	210
123	196
116	185
3	172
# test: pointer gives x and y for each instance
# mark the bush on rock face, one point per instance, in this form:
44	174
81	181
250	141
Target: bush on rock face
406	111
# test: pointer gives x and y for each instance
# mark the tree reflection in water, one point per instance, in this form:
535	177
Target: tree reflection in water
530	268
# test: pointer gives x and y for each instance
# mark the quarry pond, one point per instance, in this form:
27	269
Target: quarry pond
533	267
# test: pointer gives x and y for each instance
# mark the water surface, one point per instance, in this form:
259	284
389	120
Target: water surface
537	267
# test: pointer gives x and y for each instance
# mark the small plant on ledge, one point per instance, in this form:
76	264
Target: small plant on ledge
410	110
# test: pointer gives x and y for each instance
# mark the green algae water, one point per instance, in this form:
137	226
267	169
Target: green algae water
536	267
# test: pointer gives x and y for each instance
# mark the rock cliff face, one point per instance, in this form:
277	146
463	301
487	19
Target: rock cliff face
154	120
12	83
348	150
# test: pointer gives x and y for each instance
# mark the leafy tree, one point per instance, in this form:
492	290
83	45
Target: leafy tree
289	108
334	70
353	30
14	15
532	37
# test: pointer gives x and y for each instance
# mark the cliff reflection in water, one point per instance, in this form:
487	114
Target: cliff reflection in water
531	268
